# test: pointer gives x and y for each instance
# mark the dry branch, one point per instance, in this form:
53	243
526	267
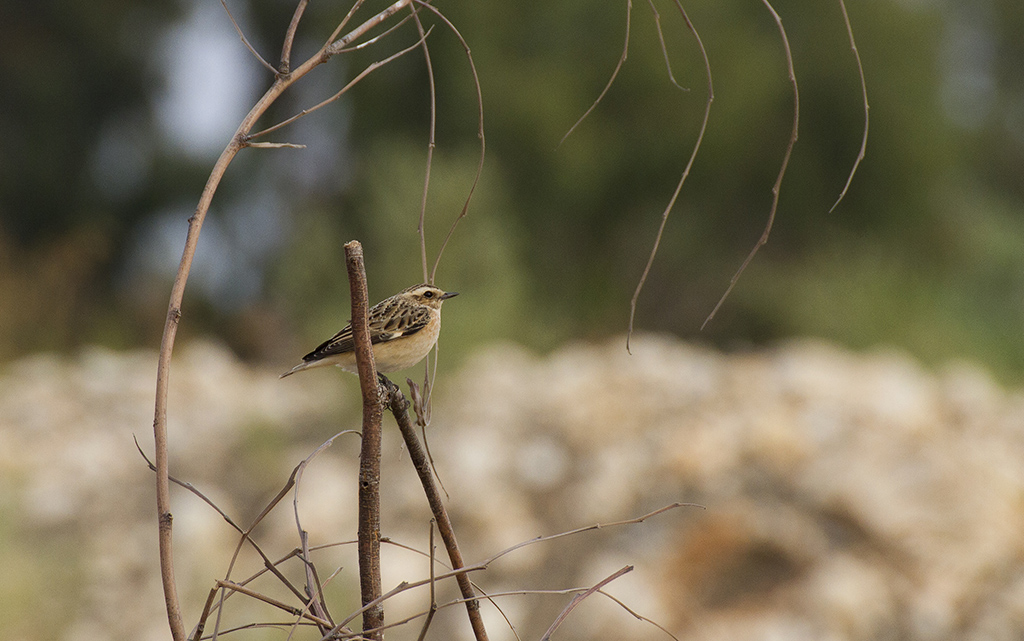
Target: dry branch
782	168
686	170
611	80
864	93
579	598
400	409
369	455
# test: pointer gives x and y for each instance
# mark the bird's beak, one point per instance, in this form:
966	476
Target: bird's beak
447	295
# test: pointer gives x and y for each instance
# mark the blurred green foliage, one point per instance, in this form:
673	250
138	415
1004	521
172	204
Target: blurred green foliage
923	253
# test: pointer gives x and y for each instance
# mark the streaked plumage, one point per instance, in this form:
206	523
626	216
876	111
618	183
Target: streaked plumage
403	329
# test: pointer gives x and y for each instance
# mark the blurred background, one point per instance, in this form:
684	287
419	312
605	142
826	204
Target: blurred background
859	486
116	111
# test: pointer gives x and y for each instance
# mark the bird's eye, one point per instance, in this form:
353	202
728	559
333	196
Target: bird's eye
428	294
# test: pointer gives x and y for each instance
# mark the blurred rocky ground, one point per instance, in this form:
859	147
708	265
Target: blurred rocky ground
846	496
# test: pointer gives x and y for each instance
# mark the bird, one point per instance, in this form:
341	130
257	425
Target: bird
403	329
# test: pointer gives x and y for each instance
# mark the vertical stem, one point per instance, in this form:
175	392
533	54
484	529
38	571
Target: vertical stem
400	408
369	456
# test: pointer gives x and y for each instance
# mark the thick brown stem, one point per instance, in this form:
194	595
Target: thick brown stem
400	408
369	455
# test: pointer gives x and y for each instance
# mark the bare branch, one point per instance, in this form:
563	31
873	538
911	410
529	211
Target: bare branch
465	570
344	21
400	409
333	633
378	37
782	169
579	598
313	588
365	72
864	93
369	455
245	41
189	487
269	566
289	37
639	616
198	632
597	526
682	179
275	145
339	45
615	73
270	601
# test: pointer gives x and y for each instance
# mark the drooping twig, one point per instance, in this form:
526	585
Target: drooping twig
431	144
611	80
479	133
664	47
864	93
400	409
782	169
682	179
369	455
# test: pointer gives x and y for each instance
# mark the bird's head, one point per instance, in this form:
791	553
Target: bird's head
427	295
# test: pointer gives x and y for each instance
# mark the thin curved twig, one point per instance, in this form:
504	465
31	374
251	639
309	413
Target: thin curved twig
864	92
245	40
431	143
312	588
480	134
377	38
483	565
576	600
587	528
305	112
664	47
611	80
344	21
782	169
339	45
682	179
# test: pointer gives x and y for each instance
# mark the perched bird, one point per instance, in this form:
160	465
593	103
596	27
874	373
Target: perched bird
403	329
